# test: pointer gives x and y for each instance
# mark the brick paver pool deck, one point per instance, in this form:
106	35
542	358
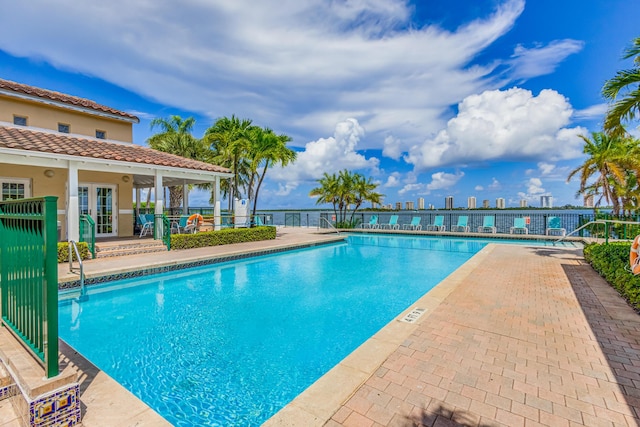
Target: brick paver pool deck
518	336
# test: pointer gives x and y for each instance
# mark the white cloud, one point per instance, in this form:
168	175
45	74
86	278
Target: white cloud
541	60
442	180
439	181
393	180
328	155
495	184
296	66
506	125
595	111
478	188
534	190
392	148
546	168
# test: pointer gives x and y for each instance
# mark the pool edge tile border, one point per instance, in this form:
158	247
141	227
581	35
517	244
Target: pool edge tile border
319	402
164	267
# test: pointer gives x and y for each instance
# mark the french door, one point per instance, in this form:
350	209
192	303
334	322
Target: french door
99	201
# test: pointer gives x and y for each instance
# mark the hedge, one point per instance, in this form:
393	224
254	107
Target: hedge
63	251
611	261
225	236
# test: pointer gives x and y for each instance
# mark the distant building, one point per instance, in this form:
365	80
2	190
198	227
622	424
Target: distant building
485	204
421	203
409	206
471	203
523	203
500	203
588	201
448	202
431	206
398	206
546	201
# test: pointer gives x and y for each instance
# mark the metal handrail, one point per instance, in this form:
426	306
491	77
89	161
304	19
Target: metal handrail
599	221
329	223
72	244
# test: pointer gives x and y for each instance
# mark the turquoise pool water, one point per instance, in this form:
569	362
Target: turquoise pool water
230	344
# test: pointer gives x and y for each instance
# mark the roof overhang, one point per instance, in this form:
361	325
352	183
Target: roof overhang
143	174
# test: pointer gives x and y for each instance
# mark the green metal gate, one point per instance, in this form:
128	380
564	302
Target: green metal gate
29	275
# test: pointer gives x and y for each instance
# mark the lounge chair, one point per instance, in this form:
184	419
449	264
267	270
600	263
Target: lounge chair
438	224
373	222
519	224
146	223
554	225
393	223
414	225
462	225
488	225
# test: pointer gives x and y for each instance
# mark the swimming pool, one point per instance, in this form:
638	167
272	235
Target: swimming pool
232	343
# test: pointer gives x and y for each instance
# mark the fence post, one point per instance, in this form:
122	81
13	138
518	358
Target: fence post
606	233
50	287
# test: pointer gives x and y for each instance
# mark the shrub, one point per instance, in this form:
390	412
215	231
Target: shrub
225	236
612	262
63	251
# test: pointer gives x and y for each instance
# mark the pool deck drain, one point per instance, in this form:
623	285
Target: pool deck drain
518	336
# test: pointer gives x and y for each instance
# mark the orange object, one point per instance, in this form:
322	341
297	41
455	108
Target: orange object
195	217
634	261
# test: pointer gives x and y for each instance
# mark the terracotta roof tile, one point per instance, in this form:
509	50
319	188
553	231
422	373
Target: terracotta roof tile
30	140
61	97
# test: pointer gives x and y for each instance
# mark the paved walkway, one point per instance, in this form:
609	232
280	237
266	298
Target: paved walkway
532	336
519	336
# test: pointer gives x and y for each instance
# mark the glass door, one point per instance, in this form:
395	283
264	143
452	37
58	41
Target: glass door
99	201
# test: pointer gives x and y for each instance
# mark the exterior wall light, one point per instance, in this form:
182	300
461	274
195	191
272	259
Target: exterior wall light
49	173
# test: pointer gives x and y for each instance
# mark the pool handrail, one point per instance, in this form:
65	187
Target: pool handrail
74	246
599	221
329	223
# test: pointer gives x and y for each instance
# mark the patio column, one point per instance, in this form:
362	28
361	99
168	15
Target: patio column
137	212
159	196
185	198
216	207
73	209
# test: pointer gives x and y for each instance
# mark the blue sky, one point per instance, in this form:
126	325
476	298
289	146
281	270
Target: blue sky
481	98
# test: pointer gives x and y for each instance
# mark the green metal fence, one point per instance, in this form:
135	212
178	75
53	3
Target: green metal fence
88	233
29	275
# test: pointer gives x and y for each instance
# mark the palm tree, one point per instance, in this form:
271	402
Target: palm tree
267	149
628	106
229	142
176	138
606	162
344	190
327	192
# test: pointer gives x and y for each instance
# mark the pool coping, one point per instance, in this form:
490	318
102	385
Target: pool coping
321	400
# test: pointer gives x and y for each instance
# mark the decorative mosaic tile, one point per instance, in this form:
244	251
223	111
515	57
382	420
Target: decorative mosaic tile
58	409
8	391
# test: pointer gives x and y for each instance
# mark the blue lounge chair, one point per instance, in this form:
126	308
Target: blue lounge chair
488	225
393	223
146	223
554	225
373	222
462	225
414	225
257	221
438	224
519	225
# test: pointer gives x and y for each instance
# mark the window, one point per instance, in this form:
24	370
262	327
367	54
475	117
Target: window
14	188
19	120
63	128
100	134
